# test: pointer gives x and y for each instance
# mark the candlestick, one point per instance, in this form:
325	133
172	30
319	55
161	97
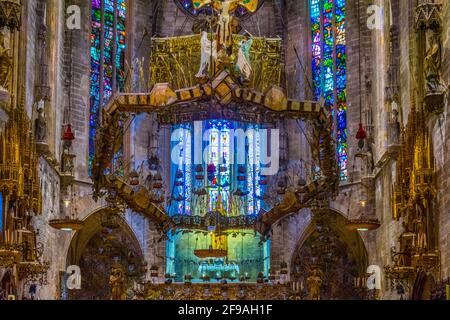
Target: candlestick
44	21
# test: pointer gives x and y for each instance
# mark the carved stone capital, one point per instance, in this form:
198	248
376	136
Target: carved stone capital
10	14
429	15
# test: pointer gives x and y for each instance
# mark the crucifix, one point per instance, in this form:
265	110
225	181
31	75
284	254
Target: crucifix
225	10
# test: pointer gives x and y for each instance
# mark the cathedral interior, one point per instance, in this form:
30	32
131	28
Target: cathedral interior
224	149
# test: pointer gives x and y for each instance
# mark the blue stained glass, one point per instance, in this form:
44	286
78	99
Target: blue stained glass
111	59
342	120
223	178
315	9
329	66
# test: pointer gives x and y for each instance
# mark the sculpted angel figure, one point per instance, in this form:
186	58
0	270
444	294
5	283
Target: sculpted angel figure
209	53
433	65
243	64
5	61
40	123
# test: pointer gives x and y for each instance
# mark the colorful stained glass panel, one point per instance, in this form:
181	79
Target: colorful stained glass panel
107	59
329	67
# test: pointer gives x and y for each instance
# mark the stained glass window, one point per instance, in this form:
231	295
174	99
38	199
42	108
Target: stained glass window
253	170
218	155
222	174
227	178
329	69
107	58
182	173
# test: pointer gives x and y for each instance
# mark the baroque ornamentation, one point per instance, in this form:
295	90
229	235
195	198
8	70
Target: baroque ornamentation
10	14
9	255
413	201
32	272
169	56
242	291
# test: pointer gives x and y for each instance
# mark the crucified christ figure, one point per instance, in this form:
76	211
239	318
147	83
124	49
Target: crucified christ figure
225	10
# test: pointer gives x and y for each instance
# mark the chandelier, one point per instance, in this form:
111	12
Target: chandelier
366	221
69	222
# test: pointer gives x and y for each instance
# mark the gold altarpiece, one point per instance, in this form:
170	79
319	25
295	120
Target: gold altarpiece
19	180
414	204
176	61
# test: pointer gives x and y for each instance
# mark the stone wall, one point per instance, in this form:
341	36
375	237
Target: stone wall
387	235
285	238
49	177
29	31
441	137
53	240
61	54
77	52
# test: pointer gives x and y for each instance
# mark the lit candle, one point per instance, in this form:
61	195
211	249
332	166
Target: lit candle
45	14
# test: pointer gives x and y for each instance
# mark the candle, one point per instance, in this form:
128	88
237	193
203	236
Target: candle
447	291
45	14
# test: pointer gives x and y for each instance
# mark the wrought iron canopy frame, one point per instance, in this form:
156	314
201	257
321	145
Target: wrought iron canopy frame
223	98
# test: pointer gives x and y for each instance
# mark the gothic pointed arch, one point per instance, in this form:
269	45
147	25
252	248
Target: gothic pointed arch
336	255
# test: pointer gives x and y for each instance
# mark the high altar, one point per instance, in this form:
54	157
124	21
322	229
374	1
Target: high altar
209	86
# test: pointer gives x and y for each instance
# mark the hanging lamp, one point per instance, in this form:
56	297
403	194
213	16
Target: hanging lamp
68	223
361	134
362	223
68	133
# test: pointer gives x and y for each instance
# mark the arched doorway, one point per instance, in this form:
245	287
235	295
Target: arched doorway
329	260
109	256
